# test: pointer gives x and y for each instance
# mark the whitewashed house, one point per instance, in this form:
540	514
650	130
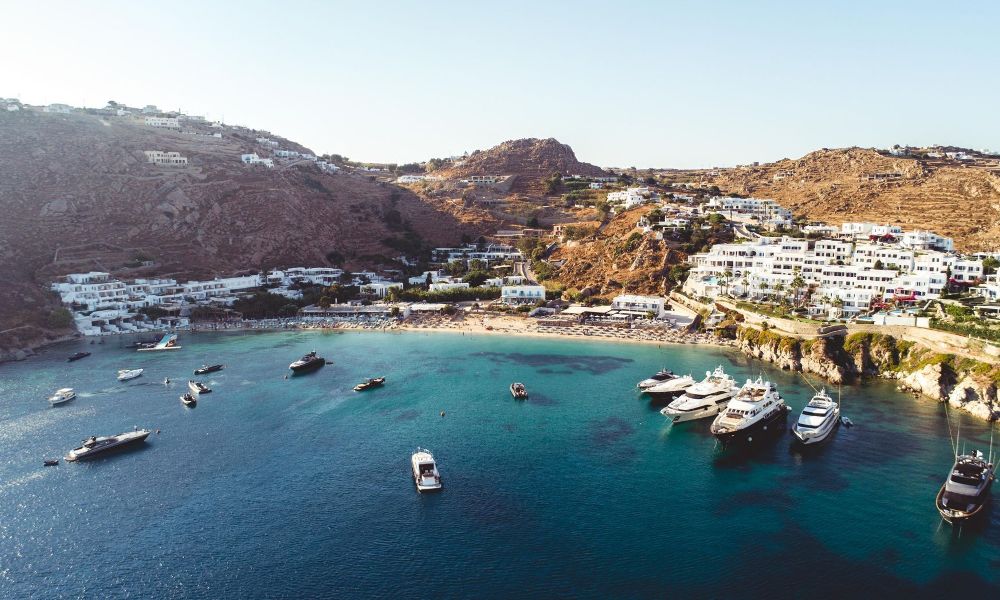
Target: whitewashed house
640	305
165	122
522	294
171	159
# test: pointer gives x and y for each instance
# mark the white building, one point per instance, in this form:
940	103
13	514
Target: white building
168	122
410	178
762	209
630	197
926	240
640	305
380	289
173	159
58	108
253	159
522	294
287	154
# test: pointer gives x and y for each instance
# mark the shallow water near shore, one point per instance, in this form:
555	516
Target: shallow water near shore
300	487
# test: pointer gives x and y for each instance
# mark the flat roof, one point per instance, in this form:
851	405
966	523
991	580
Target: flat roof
580	310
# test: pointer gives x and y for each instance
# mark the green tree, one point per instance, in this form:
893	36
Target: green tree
990	265
60	318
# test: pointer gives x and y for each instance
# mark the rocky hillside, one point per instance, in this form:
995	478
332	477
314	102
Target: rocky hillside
530	160
955	198
77	194
617	259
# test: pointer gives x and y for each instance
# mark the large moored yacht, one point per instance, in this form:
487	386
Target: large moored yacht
755	410
656	379
965	493
425	471
670	389
95	445
818	419
703	399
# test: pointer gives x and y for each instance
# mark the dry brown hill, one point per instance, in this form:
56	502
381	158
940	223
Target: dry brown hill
77	194
957	199
531	160
617	259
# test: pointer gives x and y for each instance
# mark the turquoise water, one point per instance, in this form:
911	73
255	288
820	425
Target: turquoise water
300	487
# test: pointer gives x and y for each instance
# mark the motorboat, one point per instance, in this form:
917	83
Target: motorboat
189	399
818	419
670	389
425	471
62	395
369	384
703	399
96	445
308	362
77	356
198	387
518	391
202	370
126	374
167	342
967	489
51	462
654	380
756	409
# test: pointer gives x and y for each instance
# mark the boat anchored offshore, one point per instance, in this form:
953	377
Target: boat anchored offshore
670	388
95	445
126	374
62	395
308	362
77	356
198	387
518	391
208	369
756	409
425	471
369	384
703	399
168	342
189	399
965	493
661	376
818	419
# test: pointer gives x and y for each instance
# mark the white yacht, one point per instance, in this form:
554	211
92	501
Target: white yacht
703	399
967	490
818	419
96	445
756	409
62	395
425	472
126	374
669	389
661	376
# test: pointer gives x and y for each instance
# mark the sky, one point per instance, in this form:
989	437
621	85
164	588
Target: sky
645	84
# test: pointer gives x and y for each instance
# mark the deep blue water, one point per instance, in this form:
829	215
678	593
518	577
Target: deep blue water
300	487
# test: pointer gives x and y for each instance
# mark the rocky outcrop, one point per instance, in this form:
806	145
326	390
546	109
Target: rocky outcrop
976	395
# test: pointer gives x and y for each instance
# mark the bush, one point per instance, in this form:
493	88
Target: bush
60	318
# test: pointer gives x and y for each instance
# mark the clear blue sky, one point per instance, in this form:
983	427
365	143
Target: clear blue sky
625	83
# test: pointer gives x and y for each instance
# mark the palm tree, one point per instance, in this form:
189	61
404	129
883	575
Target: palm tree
780	289
763	288
797	284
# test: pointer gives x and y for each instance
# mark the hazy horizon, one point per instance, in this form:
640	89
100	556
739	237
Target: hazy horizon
644	85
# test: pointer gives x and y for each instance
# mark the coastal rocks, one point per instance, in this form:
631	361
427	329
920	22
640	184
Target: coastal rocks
977	396
933	381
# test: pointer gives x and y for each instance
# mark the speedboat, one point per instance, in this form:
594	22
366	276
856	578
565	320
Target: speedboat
518	391
425	471
670	389
755	410
51	462
189	399
167	342
78	356
818	419
965	493
95	445
369	384
703	399
208	369
126	374
198	387
62	395
307	363
660	376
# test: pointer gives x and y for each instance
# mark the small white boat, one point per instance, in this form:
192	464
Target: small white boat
425	472
62	395
126	374
818	419
655	380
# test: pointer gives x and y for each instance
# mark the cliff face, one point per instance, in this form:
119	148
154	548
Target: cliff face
965	384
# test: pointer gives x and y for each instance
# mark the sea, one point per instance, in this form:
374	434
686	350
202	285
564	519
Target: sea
279	486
